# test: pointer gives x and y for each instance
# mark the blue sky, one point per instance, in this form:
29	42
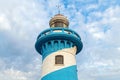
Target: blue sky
96	21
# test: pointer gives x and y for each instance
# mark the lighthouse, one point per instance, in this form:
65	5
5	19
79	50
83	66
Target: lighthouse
58	47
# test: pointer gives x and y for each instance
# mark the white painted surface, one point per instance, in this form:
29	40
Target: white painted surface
49	62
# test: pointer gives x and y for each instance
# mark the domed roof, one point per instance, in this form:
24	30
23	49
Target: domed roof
59	18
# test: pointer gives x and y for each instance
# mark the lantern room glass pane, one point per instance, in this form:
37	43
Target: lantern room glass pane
58	24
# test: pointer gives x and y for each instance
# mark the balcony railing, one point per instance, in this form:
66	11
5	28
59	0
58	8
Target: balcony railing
58	30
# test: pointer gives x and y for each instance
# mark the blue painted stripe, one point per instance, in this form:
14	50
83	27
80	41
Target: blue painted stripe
68	73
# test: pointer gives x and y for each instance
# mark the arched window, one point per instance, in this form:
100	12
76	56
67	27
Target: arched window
59	59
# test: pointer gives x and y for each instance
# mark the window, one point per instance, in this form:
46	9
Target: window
59	59
58	24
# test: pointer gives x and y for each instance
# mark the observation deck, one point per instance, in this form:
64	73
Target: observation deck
64	37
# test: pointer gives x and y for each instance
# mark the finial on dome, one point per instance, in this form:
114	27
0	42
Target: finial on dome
59	20
58	6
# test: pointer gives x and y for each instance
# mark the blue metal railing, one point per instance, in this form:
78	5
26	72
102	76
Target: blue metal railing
58	30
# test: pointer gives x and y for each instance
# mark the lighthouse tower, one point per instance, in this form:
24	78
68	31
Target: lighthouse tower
58	46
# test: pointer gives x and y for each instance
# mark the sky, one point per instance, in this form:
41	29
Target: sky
96	21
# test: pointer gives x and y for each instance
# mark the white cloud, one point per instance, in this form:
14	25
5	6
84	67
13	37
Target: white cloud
118	48
20	23
110	18
30	70
14	75
102	47
4	23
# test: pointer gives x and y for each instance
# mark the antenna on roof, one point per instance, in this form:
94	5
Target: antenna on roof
58	6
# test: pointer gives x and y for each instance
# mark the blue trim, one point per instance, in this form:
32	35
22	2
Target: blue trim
53	46
69	73
63	34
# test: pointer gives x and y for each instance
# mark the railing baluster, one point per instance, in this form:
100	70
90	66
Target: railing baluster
60	30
